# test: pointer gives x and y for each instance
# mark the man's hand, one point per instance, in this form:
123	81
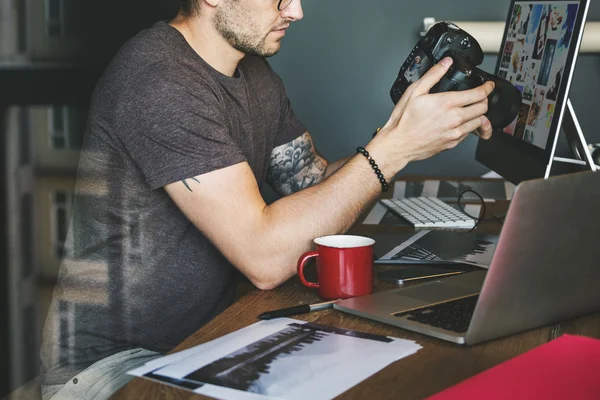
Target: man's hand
423	124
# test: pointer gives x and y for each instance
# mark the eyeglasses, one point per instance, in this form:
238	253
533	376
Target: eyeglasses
283	4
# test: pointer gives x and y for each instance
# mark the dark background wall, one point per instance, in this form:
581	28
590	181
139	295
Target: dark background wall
340	61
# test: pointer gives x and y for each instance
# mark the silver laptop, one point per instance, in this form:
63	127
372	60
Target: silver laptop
546	268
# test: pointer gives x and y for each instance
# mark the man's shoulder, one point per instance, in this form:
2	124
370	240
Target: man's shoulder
148	46
153	64
158	49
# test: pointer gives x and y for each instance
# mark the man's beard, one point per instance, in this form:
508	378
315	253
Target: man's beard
243	42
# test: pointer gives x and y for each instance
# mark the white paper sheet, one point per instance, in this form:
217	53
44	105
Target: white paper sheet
430	188
399	190
264	329
376	214
491	175
280	358
473	209
404	245
440	246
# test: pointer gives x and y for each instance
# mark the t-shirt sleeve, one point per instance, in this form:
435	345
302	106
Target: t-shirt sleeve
173	132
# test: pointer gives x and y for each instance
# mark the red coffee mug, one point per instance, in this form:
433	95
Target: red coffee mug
344	266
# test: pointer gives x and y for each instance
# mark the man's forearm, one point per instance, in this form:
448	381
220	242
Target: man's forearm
290	224
333	167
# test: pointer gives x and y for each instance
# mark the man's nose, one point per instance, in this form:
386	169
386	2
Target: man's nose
293	11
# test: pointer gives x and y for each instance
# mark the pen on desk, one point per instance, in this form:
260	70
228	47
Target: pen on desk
304	308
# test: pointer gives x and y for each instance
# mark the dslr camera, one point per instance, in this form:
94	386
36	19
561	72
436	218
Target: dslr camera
445	39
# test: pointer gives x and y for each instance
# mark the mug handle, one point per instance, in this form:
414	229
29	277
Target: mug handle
301	264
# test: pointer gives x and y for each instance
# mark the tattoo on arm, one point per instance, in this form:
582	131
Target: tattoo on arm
295	166
187	185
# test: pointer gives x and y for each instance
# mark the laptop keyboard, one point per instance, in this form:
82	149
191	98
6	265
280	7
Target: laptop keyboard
453	315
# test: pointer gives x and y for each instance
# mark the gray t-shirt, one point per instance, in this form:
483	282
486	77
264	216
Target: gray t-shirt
137	273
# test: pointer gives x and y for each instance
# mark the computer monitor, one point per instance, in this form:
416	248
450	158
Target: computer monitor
539	49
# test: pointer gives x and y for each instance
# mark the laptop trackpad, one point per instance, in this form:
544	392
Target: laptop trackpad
436	291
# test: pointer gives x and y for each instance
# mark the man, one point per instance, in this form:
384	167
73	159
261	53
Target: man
185	123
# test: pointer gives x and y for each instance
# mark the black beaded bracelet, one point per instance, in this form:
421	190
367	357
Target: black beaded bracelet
384	184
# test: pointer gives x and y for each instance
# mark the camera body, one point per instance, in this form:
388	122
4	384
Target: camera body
445	39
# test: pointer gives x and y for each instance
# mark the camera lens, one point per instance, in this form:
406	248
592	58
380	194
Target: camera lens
503	104
493	98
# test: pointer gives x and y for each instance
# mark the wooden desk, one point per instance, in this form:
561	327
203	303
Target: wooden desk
435	367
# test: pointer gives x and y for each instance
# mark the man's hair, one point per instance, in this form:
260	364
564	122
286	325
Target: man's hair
189	8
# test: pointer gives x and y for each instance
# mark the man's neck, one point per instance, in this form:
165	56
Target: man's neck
208	44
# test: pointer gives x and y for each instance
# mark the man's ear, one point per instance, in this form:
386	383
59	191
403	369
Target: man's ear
212	3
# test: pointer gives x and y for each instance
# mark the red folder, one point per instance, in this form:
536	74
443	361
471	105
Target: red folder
565	368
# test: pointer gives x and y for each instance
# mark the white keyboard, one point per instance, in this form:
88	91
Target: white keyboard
429	212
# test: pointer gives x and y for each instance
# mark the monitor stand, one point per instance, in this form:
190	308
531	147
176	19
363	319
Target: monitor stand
578	145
